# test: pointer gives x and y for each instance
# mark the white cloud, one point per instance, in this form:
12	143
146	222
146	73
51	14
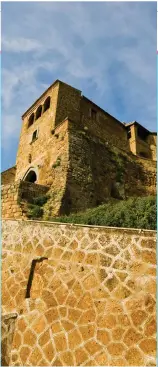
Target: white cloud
103	49
20	44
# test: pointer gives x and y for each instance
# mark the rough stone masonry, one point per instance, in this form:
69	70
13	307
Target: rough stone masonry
78	295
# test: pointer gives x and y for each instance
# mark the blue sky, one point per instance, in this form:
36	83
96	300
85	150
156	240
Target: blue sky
105	49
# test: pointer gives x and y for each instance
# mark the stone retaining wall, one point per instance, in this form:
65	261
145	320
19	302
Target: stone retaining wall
84	295
10	205
14	194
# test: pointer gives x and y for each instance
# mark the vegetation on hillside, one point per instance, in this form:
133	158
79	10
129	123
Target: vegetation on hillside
137	212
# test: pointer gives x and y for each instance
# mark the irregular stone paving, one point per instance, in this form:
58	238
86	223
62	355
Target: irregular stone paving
92	296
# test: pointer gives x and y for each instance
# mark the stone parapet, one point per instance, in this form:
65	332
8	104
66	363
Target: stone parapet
8	176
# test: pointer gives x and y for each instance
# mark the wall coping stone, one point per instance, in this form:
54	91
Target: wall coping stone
48	223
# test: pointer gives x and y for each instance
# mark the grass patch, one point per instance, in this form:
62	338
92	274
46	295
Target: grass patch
132	213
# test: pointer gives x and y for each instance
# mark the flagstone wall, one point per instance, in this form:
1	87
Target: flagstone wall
83	295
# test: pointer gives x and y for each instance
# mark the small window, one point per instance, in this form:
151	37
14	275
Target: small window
93	115
31	120
34	135
144	155
128	133
46	104
29	158
38	112
142	133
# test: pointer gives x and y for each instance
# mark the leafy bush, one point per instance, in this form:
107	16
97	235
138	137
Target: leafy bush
57	163
34	211
41	200
137	212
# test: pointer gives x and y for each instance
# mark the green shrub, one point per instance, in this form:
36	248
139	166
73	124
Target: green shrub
34	211
57	163
41	200
137	212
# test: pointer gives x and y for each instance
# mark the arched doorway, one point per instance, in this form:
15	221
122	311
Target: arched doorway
31	176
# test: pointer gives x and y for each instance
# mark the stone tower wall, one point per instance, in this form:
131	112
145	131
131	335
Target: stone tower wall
41	149
83	295
103	126
46	151
98	171
69	104
66	103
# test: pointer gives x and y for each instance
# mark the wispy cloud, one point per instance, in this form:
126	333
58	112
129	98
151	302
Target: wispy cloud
20	45
107	50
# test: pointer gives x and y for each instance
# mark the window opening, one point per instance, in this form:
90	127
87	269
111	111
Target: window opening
29	158
38	112
34	136
93	115
128	133
46	104
31	120
142	133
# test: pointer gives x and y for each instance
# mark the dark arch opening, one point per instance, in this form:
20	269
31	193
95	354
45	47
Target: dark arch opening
31	177
31	120
46	104
38	112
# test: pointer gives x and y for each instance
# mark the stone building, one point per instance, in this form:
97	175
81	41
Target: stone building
81	153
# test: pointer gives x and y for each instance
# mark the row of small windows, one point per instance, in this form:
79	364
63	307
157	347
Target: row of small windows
38	113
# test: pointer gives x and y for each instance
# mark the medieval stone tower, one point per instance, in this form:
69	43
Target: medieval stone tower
82	154
39	146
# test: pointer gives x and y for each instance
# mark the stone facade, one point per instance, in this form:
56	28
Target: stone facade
83	295
106	168
81	153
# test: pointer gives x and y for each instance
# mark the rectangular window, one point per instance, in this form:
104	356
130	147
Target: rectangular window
142	133
93	115
34	135
128	133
